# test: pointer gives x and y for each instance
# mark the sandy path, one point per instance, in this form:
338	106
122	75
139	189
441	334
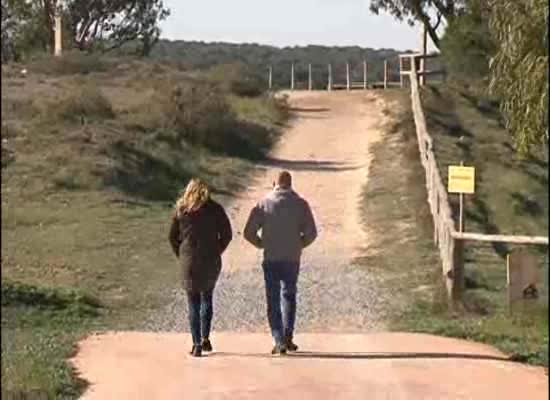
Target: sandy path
326	150
388	366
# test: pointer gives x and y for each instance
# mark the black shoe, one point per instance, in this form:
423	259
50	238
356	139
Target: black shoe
196	351
206	345
279	349
290	345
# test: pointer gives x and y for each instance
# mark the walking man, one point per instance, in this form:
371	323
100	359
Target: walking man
287	226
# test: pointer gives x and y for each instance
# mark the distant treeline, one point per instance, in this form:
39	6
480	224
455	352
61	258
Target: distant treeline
259	57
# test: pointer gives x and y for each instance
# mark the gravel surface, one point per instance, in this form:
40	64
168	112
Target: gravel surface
331	298
326	149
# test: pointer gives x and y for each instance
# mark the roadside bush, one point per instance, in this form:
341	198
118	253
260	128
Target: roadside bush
201	113
72	63
18	294
238	79
88	102
197	113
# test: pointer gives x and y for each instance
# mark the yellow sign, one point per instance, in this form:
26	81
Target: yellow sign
461	179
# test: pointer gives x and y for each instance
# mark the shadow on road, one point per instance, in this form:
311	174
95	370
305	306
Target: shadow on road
309	165
367	356
310	109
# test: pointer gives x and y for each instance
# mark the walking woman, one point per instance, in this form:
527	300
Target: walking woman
199	234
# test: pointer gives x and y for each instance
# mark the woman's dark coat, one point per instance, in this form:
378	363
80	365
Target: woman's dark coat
198	239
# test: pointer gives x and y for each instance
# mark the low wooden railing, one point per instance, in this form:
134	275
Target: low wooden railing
450	242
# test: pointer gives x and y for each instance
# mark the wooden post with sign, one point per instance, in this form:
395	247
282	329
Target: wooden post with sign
461	180
461	208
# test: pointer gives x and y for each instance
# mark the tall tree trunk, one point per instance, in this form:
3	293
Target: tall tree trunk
433	34
49	13
425	19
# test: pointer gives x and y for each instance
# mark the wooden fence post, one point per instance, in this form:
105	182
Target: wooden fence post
270	77
348	83
457	273
365	74
401	72
310	82
423	51
385	74
292	77
329	86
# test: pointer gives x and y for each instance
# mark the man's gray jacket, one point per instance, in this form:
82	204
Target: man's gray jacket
286	223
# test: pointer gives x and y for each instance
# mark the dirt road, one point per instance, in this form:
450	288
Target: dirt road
387	366
326	149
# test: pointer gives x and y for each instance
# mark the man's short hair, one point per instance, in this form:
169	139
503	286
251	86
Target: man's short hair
284	179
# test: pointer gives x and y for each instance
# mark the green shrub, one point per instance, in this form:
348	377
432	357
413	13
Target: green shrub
16	294
72	63
238	79
88	102
467	46
198	114
201	113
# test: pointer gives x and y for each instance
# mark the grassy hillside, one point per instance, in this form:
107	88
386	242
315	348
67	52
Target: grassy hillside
511	198
94	152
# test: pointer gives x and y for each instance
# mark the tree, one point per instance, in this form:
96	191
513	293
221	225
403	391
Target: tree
49	8
466	45
9	24
115	22
88	24
23	28
519	70
419	11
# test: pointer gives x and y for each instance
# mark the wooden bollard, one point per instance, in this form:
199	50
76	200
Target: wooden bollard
270	78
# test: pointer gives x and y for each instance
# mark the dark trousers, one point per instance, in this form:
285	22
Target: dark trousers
200	315
281	280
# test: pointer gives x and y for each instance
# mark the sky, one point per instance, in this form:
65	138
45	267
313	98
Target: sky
287	23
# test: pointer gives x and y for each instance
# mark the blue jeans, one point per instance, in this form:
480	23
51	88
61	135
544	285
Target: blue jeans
281	278
200	315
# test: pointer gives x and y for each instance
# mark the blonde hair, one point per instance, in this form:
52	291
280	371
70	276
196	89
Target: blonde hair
193	197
